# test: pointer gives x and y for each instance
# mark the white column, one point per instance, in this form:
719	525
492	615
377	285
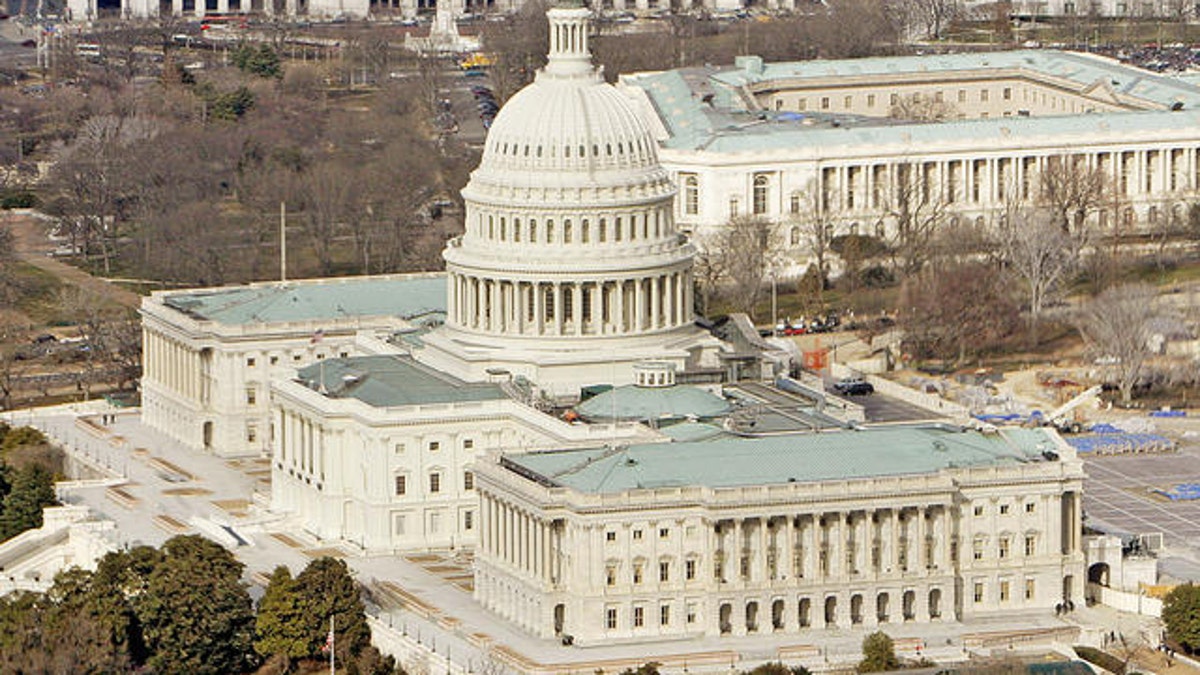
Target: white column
655	302
619	318
558	309
577	307
639	298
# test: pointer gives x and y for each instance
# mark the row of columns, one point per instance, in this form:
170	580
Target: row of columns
833	609
832	546
521	539
993	180
301	443
175	366
570	308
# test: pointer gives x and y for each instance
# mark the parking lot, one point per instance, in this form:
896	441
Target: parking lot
1118	494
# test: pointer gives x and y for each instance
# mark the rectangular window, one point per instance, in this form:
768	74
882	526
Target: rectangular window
664	615
962	95
1004	509
468	520
1029	589
610	575
637	534
978	510
1030	544
435	522
468	480
733	207
637	573
689	569
1008	93
274	360
468	443
401	485
846	102
691	612
894	99
610	618
250	361
978	551
978	591
824	103
434	446
251	432
398	524
435	482
398	448
802	104
1003	591
1003	552
664	532
983	95
1030	507
639	617
664	571
251	396
870	100
610	536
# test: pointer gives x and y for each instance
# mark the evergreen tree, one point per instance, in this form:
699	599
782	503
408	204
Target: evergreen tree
196	614
32	490
1181	616
261	60
281	628
879	654
327	589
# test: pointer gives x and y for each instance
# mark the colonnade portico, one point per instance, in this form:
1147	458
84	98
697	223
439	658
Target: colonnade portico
571	308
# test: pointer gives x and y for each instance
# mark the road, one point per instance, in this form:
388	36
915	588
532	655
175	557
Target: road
33	246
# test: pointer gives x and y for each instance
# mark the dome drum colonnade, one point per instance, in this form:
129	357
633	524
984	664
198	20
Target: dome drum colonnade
569	220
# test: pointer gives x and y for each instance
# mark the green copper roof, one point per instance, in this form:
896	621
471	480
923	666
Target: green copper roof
701	109
734	461
331	299
391	381
631	402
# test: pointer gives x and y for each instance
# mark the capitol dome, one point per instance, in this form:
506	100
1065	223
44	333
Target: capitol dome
569	267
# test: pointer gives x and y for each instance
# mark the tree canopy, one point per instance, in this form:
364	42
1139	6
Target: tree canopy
879	654
1181	615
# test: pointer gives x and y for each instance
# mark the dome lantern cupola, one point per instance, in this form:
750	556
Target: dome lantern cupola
569	55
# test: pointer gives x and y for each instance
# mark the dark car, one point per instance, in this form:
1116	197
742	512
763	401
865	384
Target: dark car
853	387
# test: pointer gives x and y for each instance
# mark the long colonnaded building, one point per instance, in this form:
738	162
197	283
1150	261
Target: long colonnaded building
819	139
735	535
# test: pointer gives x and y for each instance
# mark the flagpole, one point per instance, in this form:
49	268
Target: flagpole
331	645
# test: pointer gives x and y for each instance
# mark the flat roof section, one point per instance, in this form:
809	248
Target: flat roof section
332	299
800	458
390	381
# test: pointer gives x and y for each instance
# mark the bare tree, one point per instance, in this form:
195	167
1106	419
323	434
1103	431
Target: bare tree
708	271
1114	324
1040	255
518	47
1071	190
933	15
921	108
747	246
916	204
815	228
956	312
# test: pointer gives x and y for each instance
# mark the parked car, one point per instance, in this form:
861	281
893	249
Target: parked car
853	386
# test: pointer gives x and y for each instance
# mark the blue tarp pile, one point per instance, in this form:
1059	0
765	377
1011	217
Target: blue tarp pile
1103	428
1118	443
1184	492
1168	413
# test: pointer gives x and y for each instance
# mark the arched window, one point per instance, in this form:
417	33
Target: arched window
549	231
516	229
533	231
602	232
584	231
691	194
762	188
794	202
566	231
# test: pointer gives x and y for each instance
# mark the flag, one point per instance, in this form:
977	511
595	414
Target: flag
317	336
328	643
